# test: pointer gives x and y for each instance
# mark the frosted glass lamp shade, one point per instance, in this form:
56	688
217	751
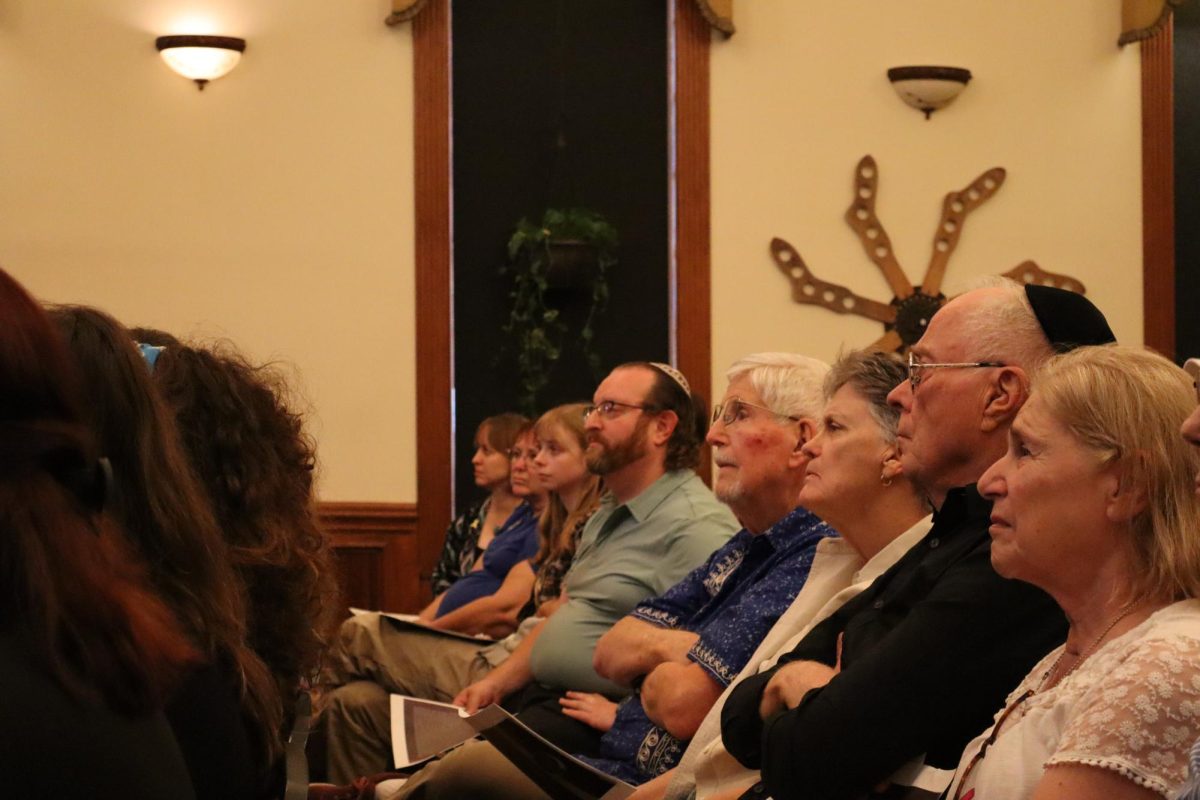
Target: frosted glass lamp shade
200	58
928	88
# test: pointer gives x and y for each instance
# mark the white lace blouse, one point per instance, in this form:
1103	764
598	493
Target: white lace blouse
1133	707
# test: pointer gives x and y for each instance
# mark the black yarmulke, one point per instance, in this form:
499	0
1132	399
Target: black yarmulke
1068	319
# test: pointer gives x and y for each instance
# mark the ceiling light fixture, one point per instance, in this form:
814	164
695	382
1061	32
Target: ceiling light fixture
200	58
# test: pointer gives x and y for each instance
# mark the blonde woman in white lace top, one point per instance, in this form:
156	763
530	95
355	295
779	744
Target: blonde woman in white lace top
1094	503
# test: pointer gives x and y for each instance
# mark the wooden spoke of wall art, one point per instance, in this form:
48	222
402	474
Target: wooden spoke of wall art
862	220
908	313
1029	272
955	207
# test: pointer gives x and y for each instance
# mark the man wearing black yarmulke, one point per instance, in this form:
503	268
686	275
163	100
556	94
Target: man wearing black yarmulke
892	686
1068	320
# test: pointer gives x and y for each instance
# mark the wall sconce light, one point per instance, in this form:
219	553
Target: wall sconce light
928	88
200	58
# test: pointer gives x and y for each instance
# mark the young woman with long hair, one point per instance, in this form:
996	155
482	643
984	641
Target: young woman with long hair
87	651
375	658
226	714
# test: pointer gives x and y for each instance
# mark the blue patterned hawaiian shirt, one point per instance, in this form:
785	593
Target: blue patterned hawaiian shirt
731	600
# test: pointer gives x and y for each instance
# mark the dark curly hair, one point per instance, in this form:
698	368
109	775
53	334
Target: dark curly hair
256	463
163	508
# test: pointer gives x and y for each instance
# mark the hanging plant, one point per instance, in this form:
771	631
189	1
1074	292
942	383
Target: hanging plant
570	253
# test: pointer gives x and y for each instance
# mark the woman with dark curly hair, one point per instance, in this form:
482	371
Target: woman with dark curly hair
87	651
227	715
250	451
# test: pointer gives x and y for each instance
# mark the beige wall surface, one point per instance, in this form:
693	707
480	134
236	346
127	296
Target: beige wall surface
799	94
274	208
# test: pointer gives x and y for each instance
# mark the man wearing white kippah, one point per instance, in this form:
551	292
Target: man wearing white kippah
657	523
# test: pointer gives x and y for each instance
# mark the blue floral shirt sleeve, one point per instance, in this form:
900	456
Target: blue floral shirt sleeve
725	646
675	607
731	602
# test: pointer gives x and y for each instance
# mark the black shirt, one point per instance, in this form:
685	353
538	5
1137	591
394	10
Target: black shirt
929	652
53	745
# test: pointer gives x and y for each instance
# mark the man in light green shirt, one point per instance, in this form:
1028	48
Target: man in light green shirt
657	524
656	539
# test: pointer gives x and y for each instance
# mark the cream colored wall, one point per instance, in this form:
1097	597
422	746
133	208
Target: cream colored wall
274	208
799	94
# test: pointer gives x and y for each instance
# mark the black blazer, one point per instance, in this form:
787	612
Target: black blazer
930	650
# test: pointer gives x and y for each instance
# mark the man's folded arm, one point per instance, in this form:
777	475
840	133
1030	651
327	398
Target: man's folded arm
943	668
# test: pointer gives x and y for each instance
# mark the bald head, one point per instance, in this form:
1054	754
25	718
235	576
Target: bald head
954	425
997	323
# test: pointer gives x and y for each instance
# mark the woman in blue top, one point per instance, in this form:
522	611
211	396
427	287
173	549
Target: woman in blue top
472	531
532	587
515	541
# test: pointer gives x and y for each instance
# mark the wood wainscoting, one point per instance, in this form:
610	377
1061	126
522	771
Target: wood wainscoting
376	549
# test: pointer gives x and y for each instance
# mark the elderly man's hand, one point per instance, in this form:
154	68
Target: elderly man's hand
678	696
633	647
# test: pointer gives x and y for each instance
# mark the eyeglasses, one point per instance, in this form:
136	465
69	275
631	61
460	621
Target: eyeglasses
609	409
915	367
729	412
1192	368
990	740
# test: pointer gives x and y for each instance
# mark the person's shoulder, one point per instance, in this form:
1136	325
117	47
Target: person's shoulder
693	498
1177	622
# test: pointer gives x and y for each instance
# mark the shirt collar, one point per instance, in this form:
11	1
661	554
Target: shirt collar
798	520
962	504
519	516
652	496
893	551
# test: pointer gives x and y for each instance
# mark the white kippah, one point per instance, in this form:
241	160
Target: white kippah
674	374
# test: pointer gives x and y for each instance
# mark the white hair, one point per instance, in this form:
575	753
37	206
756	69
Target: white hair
789	384
1005	328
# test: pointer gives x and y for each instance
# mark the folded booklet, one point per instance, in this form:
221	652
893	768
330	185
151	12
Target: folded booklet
411	621
422	729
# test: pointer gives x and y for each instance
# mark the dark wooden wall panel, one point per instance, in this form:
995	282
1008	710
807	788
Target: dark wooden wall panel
431	139
1158	192
376	549
693	202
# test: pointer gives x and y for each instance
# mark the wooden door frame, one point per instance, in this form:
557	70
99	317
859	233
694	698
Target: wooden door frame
433	207
1158	191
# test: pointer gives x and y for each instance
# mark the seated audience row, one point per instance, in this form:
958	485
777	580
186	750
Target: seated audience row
1038	637
377	657
1081	526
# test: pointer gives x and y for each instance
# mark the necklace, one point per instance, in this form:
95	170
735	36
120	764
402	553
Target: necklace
1083	656
1020	701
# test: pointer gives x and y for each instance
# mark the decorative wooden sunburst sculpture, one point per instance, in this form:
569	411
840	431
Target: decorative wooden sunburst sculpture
908	313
